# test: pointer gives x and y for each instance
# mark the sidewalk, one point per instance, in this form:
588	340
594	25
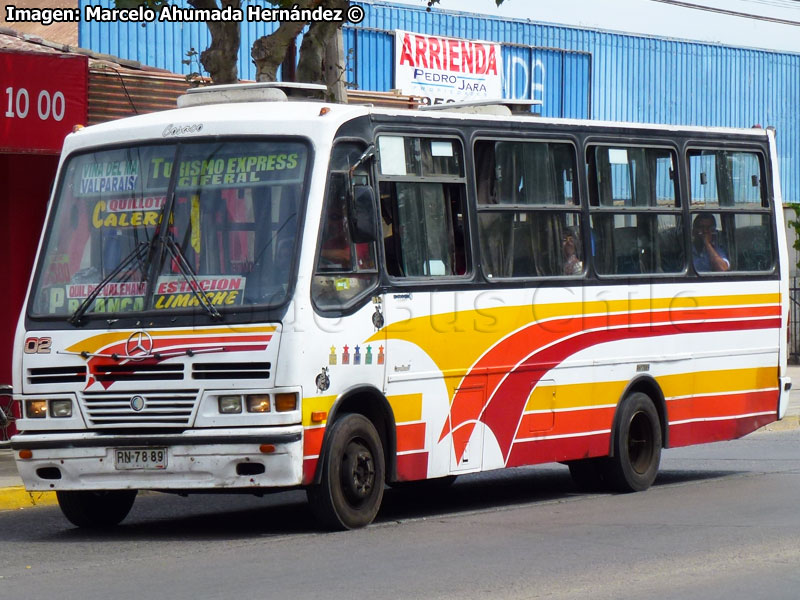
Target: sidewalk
13	494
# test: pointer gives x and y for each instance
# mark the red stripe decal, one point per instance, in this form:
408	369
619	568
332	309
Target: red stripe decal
564	337
560	449
726	405
686	434
410	437
309	469
411	467
312	441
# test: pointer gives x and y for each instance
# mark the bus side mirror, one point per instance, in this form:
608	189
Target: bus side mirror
362	214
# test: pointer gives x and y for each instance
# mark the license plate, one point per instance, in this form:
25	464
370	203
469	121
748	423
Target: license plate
140	458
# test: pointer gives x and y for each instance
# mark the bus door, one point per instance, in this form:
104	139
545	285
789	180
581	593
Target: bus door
427	385
422	203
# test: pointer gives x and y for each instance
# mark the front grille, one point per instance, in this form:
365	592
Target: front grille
161	409
234	370
49	375
133	371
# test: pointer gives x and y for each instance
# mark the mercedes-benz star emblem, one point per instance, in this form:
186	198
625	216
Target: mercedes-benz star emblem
139	345
138	403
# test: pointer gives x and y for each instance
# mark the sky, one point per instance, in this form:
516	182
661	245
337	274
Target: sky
654	17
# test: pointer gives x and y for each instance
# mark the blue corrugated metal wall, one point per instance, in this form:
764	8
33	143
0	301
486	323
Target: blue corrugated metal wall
619	77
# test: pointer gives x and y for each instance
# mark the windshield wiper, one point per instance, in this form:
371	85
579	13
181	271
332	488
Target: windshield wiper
188	274
137	254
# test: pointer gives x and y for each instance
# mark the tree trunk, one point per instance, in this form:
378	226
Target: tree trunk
221	57
313	66
289	64
334	65
269	51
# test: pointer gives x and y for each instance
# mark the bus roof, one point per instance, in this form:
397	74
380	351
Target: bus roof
318	121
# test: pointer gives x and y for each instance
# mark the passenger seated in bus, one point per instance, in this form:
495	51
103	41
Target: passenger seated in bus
571	246
707	255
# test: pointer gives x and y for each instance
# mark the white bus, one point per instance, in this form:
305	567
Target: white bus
250	293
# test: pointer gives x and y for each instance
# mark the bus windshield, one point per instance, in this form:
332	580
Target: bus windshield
230	209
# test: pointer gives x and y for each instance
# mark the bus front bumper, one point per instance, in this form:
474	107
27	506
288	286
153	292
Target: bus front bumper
210	459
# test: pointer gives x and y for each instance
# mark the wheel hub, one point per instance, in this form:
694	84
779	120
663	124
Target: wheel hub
358	472
640	443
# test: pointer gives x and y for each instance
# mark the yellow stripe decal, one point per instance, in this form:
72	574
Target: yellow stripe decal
589	395
406	407
316	404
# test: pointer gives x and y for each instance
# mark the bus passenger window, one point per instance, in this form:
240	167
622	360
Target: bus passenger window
725	241
637	224
423	229
529	224
422	194
724	178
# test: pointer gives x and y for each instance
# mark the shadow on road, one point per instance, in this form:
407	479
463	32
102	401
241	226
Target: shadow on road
165	517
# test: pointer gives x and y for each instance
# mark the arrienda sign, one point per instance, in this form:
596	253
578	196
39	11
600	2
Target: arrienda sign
447	69
42	96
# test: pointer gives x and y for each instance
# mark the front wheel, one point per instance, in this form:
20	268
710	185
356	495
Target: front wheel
96	510
637	445
351	489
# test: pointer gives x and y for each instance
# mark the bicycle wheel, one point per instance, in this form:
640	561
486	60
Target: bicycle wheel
8	419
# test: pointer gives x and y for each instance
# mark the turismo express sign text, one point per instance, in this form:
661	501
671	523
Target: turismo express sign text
225	171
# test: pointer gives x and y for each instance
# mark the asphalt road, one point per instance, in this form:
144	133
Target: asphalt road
722	521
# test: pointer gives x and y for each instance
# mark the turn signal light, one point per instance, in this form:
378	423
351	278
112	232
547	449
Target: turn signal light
285	402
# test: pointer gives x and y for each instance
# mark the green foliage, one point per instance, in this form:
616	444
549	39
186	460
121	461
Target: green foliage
196	77
794	225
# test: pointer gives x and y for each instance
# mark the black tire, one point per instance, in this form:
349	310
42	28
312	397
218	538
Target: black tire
96	510
351	489
589	474
637	445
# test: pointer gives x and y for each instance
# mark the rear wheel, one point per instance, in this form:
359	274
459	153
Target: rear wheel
96	510
351	489
637	445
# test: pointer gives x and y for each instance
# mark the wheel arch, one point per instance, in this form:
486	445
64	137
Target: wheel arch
645	384
369	402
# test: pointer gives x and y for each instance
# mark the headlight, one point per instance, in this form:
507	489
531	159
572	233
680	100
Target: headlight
230	405
258	403
36	409
61	408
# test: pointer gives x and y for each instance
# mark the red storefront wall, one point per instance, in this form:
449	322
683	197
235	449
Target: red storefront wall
42	96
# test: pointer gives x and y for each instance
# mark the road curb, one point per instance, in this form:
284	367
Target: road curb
15	497
788	423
